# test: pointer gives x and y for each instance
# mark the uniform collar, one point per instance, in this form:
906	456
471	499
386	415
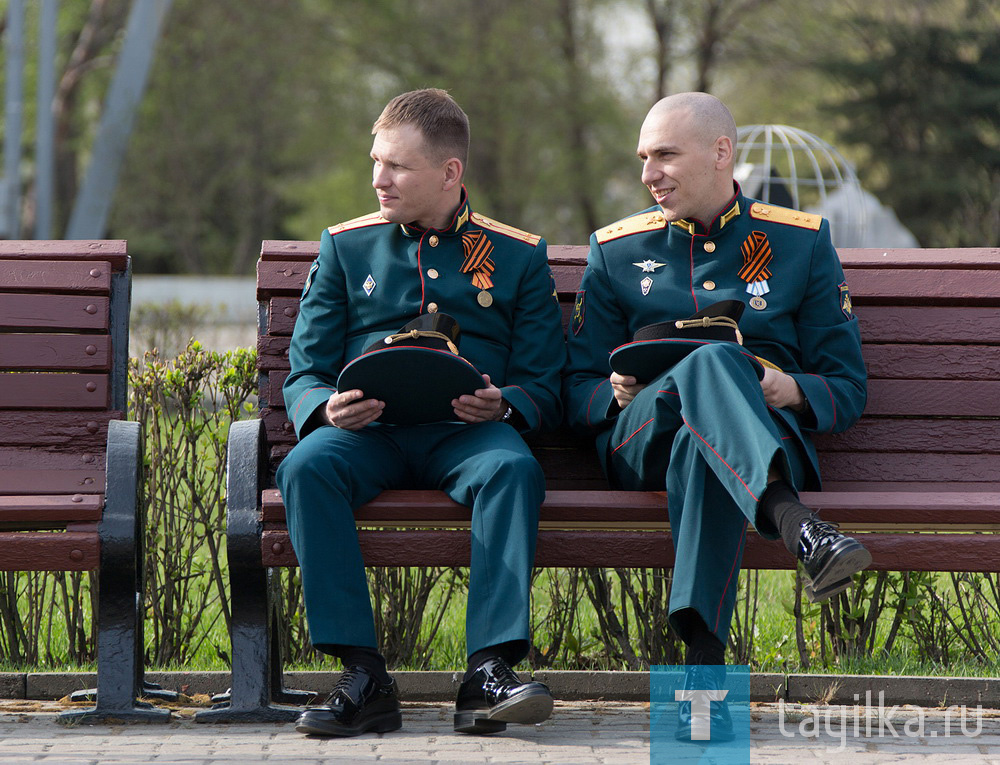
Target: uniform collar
730	211
458	221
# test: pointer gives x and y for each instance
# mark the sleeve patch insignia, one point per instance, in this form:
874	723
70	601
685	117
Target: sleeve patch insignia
579	308
845	300
309	277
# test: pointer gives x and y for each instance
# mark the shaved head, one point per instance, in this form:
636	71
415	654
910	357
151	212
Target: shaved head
687	147
707	113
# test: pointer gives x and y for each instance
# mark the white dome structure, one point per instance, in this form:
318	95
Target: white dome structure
786	166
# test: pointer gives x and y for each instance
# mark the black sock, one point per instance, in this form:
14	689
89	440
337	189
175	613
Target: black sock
779	505
704	647
362	656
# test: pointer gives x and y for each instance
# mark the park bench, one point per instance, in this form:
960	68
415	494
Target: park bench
70	465
916	478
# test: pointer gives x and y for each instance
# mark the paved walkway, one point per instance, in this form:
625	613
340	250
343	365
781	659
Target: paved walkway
579	733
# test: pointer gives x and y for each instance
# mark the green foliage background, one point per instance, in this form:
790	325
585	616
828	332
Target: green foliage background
255	124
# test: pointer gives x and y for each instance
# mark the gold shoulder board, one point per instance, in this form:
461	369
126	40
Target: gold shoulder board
635	224
503	228
761	211
372	219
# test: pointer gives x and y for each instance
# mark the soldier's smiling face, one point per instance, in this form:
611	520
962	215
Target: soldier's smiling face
411	186
683	168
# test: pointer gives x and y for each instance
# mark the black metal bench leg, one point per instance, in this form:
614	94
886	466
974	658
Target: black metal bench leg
120	671
256	669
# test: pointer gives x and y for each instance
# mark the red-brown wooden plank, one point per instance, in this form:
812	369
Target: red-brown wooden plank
54	312
651	549
53	391
49	509
913	286
69	352
41	481
288	249
920	398
636	507
22	275
65	431
942	398
114	251
272	352
874	434
878	258
919	258
932	362
928	324
49	551
275	277
46	471
877	466
281	315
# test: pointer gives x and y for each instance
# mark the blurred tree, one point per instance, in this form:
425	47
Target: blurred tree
89	35
920	95
230	95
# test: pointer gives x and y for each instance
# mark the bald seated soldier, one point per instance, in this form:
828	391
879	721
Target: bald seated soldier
425	251
730	447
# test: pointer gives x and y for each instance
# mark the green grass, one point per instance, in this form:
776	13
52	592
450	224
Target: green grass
774	639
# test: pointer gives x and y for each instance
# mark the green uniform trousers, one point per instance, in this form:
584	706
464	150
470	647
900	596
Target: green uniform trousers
704	429
486	467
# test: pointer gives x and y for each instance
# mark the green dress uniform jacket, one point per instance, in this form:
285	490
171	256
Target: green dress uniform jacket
703	427
371	277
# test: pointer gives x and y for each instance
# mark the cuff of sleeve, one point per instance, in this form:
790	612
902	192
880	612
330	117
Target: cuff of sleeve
602	409
302	418
523	406
819	415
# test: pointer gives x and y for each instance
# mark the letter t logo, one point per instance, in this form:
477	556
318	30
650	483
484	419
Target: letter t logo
701	711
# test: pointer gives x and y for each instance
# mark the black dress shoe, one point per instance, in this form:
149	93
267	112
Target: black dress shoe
829	558
705	677
359	703
495	696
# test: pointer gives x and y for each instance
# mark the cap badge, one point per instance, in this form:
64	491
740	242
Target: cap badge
648	267
369	285
756	257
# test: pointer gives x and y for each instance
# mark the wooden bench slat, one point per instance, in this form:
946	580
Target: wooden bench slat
113	251
48	508
915	435
906	361
890	552
937	324
598	509
23	275
919	435
54	391
54	312
49	551
938	398
53	480
878	466
63	352
932	362
76	431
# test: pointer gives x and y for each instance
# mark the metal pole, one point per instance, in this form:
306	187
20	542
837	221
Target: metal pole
10	204
45	139
89	219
